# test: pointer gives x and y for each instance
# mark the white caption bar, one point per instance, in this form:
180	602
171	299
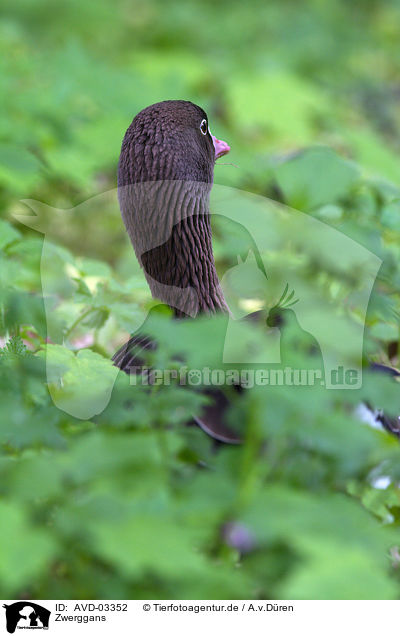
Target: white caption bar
194	617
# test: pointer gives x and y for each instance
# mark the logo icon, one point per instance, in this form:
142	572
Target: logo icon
26	615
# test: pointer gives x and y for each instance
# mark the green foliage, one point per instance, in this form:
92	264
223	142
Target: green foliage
104	491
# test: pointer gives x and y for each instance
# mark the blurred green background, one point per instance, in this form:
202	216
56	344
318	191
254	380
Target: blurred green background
129	503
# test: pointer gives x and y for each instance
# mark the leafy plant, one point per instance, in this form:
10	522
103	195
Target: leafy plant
126	500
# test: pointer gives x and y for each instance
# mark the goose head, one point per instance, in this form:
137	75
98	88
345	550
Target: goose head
169	140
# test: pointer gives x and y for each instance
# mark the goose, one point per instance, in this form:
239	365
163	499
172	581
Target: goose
165	175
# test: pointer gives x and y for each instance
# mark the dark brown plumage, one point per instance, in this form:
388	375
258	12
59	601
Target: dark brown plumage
165	175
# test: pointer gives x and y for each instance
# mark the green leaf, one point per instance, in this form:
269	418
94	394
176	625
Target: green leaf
17	166
391	216
80	384
336	572
97	318
26	551
315	177
8	234
385	331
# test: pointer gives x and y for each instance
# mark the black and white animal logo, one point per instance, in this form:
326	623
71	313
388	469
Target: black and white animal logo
26	615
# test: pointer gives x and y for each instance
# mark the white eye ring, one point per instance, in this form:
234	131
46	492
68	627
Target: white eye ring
204	127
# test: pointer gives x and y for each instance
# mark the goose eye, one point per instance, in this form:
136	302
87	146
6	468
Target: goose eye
204	127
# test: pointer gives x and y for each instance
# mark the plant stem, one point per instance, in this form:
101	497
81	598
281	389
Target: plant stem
77	321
